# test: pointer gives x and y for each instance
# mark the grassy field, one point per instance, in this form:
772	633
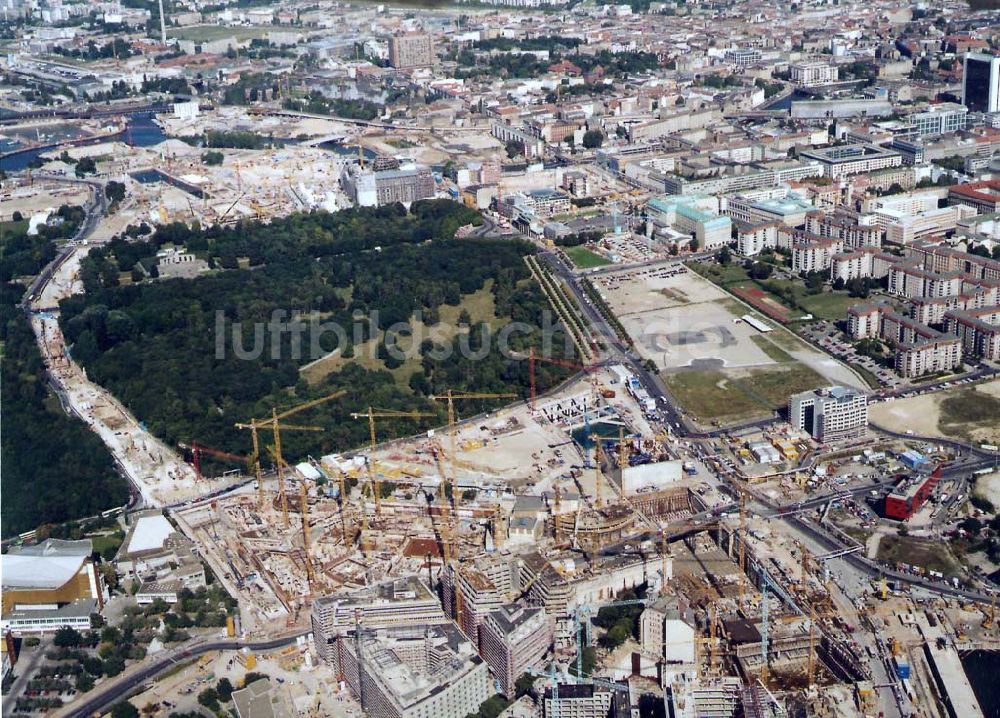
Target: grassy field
826	305
583	258
736	395
480	306
932	555
967	410
771	348
207	33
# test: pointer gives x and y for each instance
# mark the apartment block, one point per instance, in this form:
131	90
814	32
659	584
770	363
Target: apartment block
813	74
835	413
978	330
943	354
414	672
909	280
942	258
864	321
752	239
861	263
513	639
399	602
814	254
845	228
411	50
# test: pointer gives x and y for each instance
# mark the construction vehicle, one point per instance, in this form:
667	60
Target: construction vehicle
990	619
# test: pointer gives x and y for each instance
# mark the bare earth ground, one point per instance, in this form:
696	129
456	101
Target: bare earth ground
923	415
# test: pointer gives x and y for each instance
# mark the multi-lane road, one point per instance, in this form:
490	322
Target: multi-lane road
121	686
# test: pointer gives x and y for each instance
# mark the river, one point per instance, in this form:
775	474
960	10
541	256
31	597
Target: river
140	131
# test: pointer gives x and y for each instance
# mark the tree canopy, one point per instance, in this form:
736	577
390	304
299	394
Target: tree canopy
166	348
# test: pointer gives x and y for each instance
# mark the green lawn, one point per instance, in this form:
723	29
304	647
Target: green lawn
828	305
583	258
206	33
736	395
770	348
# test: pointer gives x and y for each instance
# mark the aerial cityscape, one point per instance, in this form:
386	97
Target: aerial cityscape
500	358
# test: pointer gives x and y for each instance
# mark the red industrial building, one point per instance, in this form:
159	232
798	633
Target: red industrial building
909	495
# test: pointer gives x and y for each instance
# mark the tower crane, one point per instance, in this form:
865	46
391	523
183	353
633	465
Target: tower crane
450	397
274	424
197	450
371	415
255	426
532	358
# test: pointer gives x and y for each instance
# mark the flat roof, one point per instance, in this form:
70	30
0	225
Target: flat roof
150	532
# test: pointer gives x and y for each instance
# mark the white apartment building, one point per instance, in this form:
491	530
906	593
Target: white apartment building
813	74
832	414
860	263
752	239
865	320
911	281
930	356
815	255
848	229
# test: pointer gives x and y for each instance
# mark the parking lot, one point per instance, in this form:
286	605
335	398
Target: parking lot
825	334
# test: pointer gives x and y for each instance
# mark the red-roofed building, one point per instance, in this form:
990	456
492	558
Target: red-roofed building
983	196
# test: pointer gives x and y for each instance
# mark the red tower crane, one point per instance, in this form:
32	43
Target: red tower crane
197	450
532	358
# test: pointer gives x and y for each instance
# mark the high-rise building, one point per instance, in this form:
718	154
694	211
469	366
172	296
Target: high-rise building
411	50
586	700
415	672
981	82
830	414
398	602
514	638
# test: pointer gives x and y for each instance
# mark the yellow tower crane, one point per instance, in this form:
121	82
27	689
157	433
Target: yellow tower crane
274	423
255	426
450	397
371	415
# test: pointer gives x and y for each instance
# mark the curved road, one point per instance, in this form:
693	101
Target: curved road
105	695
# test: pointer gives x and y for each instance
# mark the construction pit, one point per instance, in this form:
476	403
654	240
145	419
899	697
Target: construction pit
516	479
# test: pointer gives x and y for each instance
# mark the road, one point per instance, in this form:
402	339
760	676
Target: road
95	210
119	687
